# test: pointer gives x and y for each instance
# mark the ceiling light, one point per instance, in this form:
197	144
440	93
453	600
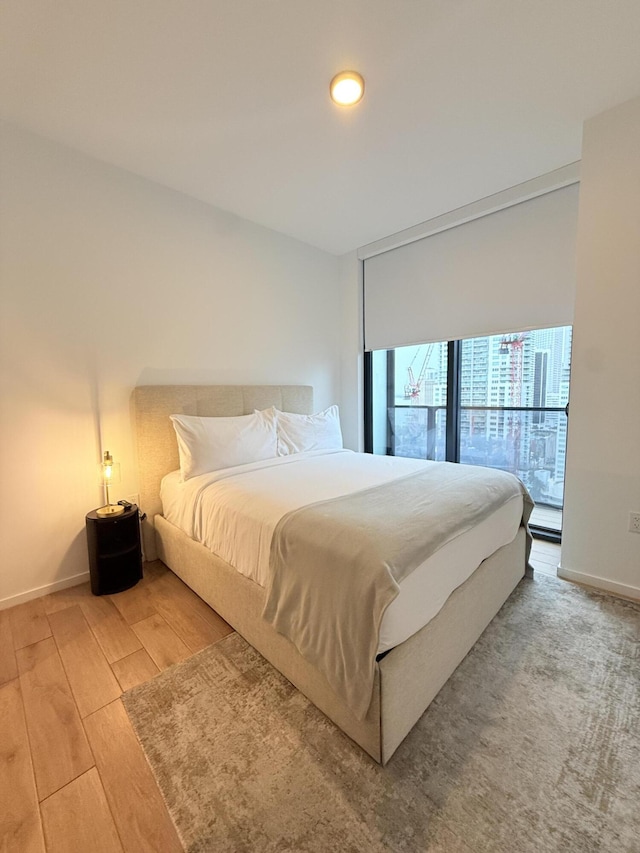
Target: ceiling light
347	88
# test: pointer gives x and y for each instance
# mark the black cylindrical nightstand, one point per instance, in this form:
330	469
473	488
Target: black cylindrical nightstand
115	556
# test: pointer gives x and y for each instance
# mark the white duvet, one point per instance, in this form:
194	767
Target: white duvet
234	512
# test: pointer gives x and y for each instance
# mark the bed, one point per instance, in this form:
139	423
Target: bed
407	674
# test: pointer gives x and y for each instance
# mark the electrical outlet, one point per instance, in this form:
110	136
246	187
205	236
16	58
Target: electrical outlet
134	499
634	522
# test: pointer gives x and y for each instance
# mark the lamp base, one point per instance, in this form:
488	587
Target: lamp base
109	510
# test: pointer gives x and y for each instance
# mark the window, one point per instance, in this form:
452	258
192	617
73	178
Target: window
498	401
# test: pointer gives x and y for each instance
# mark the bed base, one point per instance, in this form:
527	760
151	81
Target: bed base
407	678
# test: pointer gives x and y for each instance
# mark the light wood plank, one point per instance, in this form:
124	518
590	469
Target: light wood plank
77	817
544	569
543	558
548	549
8	665
153	570
179	606
547	556
134	604
163	644
29	623
114	636
90	676
176	587
59	747
136	803
134	669
20	827
66	598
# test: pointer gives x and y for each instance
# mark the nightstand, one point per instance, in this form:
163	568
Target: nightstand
115	555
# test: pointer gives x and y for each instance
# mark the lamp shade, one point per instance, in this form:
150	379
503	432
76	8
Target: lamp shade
109	472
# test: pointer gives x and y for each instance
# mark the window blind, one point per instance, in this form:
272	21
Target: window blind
507	271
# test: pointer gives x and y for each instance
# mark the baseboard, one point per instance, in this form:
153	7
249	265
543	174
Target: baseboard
74	580
600	583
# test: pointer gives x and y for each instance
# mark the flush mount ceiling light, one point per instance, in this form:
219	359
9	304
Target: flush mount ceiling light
347	88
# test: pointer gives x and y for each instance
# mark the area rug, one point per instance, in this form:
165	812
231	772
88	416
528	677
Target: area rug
533	745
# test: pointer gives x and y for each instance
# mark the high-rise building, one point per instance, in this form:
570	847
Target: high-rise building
501	376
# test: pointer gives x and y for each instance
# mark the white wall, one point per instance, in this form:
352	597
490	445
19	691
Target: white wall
603	451
351	368
108	281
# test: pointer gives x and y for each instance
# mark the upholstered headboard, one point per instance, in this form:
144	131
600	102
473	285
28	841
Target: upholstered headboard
156	440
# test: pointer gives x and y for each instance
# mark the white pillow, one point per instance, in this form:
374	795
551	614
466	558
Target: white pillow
208	444
297	433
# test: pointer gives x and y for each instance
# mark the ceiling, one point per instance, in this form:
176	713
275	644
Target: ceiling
227	100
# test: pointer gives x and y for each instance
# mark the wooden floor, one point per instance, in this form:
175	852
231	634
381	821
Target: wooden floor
72	774
545	557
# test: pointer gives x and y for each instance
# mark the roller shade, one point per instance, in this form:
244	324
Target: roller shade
507	271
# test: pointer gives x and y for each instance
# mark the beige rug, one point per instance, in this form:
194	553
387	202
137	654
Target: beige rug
533	745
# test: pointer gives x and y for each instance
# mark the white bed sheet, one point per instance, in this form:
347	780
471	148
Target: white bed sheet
234	512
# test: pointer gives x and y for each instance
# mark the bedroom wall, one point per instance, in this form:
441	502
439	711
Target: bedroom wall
108	281
603	446
351	365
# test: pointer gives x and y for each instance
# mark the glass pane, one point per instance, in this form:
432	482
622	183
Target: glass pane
520	369
409	393
379	427
509	386
531	445
418	431
421	375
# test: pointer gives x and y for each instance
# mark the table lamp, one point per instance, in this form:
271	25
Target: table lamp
109	475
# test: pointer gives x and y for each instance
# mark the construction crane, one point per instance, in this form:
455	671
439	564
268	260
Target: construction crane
414	386
513	345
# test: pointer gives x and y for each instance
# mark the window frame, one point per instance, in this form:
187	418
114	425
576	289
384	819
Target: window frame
454	409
